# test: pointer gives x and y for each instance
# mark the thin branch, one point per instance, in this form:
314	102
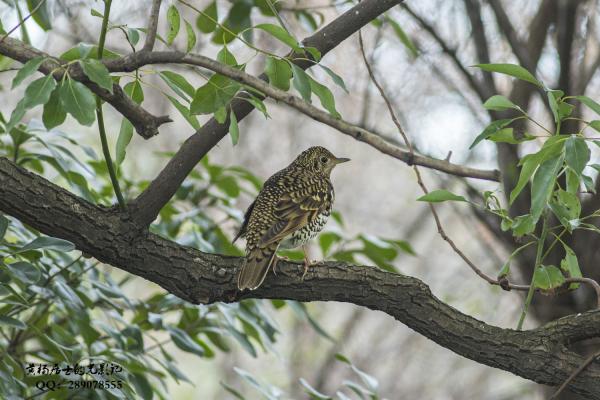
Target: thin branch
482	92
152	26
375	140
507	29
100	115
420	182
481	43
583	366
21	22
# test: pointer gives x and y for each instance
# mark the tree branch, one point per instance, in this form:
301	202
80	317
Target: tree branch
137	60
144	123
482	91
507	29
198	277
147	206
481	43
152	26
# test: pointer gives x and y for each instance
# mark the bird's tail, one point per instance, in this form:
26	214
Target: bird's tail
256	266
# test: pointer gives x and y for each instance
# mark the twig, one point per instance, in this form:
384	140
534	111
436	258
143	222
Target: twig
21	22
152	26
100	116
420	182
375	140
588	281
583	366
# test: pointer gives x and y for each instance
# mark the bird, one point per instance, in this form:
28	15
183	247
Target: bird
291	209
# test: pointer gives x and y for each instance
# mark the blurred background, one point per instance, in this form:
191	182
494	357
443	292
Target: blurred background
375	194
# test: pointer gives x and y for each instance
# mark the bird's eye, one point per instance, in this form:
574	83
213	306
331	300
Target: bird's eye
323	159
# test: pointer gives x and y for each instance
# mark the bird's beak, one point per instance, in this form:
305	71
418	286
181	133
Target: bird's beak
341	160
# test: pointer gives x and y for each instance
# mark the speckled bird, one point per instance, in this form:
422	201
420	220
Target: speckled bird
291	208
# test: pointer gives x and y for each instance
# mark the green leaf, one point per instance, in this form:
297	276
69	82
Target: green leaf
41	16
26	272
221	115
547	277
406	41
279	73
123	140
570	266
234	131
513	70
174	20
48	243
185	112
499	103
437	196
54	114
133	90
595	124
490	129
543	185
39	91
216	93
572	181
207	19
191	36
67	294
551	148
178	83
553	97
12	322
325	96
590	103
577	153
506	135
142	386
29	68
97	73
336	78
505	270
84	50
567	208
312	392
280	34
78	101
185	342
523	225
238	20
301	82
226	57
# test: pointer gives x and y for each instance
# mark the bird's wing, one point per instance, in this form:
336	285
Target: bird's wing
294	211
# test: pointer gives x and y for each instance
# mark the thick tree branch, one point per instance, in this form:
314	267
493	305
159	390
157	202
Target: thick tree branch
147	206
144	123
198	277
137	60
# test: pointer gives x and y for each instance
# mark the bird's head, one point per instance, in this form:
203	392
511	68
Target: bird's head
319	160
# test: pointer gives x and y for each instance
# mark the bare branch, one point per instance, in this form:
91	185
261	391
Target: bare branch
37	7
481	44
144	123
199	277
152	26
482	92
507	29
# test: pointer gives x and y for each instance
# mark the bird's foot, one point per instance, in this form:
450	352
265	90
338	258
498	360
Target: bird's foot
308	263
277	258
